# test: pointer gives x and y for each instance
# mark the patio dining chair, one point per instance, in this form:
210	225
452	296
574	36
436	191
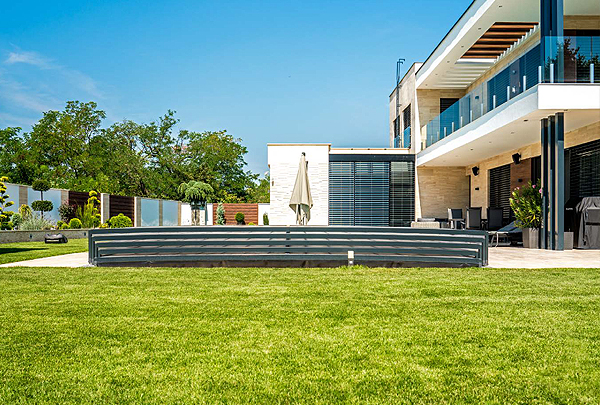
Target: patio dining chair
494	219
455	217
473	218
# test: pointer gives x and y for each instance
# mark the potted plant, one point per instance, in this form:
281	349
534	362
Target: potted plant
197	193
526	203
239	218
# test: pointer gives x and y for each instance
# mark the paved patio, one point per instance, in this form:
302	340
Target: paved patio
518	257
500	257
70	260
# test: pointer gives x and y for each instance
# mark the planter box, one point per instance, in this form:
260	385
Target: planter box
38	236
531	238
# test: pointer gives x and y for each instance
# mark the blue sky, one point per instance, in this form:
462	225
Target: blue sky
284	71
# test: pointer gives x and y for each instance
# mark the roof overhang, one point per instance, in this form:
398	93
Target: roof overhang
447	67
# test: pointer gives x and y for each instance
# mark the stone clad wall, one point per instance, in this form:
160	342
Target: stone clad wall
283	163
440	188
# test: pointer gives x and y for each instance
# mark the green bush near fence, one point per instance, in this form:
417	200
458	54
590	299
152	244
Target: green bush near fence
75	223
120	221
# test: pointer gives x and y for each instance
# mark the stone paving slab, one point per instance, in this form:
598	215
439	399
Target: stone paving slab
521	258
69	260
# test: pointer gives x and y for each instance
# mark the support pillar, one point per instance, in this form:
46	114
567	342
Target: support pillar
553	182
544	180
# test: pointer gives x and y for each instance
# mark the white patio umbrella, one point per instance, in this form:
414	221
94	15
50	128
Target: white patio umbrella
301	201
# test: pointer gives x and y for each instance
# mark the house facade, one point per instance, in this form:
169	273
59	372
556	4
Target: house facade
510	94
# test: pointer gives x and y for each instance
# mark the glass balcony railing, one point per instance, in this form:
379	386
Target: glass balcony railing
567	60
406	138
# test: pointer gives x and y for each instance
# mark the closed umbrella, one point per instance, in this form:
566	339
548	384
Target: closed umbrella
301	201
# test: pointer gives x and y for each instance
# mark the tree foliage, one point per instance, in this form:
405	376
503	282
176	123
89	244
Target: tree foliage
73	150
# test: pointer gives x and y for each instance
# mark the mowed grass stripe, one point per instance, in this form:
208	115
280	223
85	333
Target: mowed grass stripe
348	335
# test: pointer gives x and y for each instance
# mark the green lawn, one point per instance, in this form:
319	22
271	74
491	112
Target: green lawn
15	252
117	335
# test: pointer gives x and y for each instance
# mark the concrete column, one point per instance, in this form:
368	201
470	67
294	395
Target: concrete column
179	213
23	195
104	207
137	209
160	212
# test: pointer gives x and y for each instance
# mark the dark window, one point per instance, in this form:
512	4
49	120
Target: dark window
500	189
406	117
446	103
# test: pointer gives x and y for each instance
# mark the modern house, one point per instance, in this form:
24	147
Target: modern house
510	94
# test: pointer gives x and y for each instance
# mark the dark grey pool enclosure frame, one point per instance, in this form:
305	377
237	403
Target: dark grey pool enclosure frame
287	246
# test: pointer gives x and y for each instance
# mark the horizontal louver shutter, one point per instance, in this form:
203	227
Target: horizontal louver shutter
500	189
585	170
371	204
402	193
341	193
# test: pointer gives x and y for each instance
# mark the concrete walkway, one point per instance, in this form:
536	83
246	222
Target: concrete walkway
70	260
499	257
521	258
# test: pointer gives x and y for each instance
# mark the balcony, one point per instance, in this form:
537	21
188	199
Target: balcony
403	141
578	58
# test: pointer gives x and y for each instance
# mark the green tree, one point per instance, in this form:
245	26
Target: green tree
66	143
4	204
40	205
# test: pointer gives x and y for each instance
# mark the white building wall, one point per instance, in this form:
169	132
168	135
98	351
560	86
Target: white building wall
186	214
263	208
283	163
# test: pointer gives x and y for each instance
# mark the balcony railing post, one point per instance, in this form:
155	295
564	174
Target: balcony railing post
494	102
524	83
591	73
470	115
481	109
540	77
452	127
461	122
507	93
552	73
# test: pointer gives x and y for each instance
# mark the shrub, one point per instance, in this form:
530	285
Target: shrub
220	214
64	226
239	217
75	223
265	219
59	224
42	206
17	220
120	221
25	211
35	223
251	223
66	211
41	185
4	204
526	203
89	215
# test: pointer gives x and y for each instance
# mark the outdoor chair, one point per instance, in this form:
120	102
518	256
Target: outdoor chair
494	219
473	218
455	217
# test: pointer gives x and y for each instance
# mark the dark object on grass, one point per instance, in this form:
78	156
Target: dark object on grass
57	238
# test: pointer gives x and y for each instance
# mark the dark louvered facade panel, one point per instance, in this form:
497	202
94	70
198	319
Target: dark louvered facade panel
500	189
121	205
341	193
402	193
371	193
584	173
371	190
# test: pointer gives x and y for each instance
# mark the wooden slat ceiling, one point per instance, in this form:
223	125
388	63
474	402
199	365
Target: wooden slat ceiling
498	39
